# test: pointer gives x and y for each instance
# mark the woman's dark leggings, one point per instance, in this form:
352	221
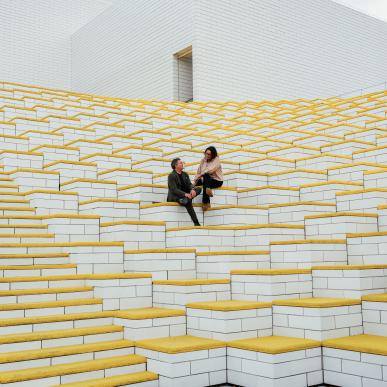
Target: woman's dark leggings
208	182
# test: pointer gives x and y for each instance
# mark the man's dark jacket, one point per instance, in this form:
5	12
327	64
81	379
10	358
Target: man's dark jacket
175	190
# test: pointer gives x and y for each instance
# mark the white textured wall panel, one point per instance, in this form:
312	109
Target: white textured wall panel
35	38
248	49
128	50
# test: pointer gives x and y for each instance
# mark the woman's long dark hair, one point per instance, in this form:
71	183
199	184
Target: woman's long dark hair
214	152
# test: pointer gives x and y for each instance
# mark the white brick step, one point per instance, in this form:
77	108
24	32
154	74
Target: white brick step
26	238
274	360
55	321
4	195
374	312
317	318
13	202
162	263
29	309
152	322
185	360
139	379
55	338
23	228
65	354
44	294
37	270
9	187
77	371
34	259
176	294
55	281
304	253
229	320
218	264
271	284
338	224
352	281
16	211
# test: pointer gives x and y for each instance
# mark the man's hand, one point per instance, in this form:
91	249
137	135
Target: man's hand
193	193
188	195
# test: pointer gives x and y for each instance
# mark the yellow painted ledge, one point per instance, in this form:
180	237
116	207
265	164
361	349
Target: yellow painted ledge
58	334
360	191
375	297
134	222
192	282
271	272
165	204
109	200
70	368
311	203
233	252
317	302
91	181
308	241
155	251
246	227
114	381
148	313
71	162
330	182
179	344
51	304
228	305
336	214
63	351
274	344
54	318
349	267
376	345
62	244
24	292
366	234
76	277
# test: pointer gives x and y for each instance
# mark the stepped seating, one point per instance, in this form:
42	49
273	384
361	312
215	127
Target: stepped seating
101	279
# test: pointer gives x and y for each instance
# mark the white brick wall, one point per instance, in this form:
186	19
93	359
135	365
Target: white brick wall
242	49
132	44
271	49
35	38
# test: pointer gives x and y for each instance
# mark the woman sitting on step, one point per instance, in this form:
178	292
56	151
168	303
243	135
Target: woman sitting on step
209	175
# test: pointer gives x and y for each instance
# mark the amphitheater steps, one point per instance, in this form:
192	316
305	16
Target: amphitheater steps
294	244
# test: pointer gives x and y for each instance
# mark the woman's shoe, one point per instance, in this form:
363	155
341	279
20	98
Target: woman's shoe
206	206
209	192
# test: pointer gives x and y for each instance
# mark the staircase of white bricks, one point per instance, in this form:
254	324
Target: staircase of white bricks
104	283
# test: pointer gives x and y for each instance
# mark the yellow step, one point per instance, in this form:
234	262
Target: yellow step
179	344
76	277
274	344
39	267
70	368
66	350
376	345
59	334
115	381
30	292
5	322
50	304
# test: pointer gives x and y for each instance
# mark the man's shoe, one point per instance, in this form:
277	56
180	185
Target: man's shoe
206	206
209	192
197	224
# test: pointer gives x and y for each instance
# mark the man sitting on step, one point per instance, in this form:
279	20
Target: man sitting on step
181	190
